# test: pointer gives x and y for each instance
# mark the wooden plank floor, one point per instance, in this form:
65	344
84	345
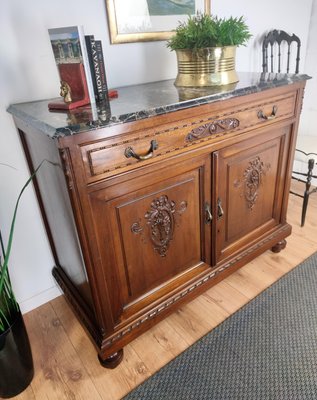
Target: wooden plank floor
66	365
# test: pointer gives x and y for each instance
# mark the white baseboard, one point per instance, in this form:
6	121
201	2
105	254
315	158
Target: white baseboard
41	298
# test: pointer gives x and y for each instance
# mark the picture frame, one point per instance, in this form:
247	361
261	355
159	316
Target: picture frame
149	20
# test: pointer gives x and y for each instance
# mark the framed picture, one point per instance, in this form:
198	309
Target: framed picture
146	20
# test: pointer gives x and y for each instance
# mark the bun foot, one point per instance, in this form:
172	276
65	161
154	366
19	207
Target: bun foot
113	361
279	246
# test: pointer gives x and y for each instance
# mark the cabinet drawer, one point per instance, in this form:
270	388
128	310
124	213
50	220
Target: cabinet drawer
118	154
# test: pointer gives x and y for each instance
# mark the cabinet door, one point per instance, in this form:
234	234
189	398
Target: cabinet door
151	233
248	196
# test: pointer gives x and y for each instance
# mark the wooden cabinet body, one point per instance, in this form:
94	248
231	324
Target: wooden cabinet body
153	230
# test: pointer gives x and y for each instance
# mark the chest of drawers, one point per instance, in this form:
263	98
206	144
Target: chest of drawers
163	200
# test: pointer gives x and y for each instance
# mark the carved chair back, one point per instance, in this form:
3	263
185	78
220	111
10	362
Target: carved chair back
278	38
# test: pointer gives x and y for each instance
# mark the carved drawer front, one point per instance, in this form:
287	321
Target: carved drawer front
270	110
108	157
112	156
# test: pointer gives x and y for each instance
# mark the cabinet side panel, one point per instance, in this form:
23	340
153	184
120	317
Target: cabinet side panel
56	209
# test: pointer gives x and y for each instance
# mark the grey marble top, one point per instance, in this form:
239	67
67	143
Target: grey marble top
142	101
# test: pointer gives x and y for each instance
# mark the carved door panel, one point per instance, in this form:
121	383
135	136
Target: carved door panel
249	191
151	233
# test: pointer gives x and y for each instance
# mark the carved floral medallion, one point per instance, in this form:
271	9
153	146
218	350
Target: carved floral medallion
253	179
161	221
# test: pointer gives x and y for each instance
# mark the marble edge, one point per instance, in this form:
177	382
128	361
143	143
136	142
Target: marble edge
31	121
143	114
56	133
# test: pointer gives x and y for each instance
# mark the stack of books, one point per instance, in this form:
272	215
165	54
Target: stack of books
81	68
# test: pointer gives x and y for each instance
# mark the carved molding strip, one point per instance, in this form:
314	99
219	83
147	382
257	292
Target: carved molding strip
301	102
253	179
174	128
65	163
188	290
212	128
161	221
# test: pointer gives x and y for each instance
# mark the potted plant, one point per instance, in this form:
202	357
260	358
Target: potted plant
205	46
16	363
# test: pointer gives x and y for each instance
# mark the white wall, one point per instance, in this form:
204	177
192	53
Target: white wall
28	72
291	16
308	125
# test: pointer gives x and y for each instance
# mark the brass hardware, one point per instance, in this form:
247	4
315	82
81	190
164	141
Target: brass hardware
261	115
129	152
220	209
208	215
65	92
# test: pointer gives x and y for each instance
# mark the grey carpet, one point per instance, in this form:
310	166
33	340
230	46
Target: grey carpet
266	350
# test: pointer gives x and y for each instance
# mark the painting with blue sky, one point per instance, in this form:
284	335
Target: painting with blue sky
171	7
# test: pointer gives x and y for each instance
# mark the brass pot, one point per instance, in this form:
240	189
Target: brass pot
189	93
210	66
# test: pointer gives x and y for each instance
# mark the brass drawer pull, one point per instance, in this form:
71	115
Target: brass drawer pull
129	152
220	209
261	115
208	215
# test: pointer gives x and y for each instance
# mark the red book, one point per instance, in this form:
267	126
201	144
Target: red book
70	54
74	75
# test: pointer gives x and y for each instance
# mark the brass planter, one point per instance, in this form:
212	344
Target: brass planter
211	66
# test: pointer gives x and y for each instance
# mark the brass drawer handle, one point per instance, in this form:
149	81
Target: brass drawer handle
208	215
220	209
129	152
261	115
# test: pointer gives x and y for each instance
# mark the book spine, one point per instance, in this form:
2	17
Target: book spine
91	50
102	87
86	65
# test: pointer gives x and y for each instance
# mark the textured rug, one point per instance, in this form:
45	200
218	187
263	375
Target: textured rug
266	350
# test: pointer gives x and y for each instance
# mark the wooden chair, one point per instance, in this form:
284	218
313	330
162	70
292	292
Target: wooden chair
276	39
274	43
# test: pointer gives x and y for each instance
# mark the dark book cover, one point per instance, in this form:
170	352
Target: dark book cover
91	52
102	87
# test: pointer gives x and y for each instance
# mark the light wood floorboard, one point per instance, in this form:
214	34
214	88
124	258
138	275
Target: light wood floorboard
66	365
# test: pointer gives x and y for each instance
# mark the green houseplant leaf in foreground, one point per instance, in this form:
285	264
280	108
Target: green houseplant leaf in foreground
8	304
16	361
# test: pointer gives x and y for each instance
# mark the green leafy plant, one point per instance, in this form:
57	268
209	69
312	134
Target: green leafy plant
8	304
203	30
9	307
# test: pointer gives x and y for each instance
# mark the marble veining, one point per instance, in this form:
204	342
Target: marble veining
142	101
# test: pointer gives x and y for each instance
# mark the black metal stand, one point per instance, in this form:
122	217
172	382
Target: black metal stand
308	191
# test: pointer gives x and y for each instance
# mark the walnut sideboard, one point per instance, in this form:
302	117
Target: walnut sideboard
165	195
